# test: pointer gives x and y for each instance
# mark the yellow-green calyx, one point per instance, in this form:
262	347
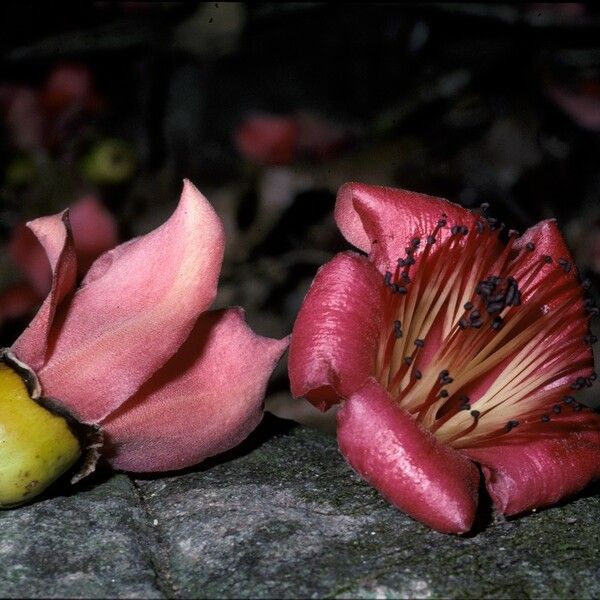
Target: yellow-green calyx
36	445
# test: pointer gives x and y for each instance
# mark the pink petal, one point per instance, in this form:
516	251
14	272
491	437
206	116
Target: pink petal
381	221
335	337
54	233
544	471
27	254
94	231
137	305
206	400
548	241
388	448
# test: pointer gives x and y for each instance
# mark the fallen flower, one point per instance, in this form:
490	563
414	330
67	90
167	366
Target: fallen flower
447	348
133	362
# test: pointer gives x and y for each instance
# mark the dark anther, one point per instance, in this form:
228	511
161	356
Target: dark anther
545	419
444	393
397	329
569	399
547	259
430	240
442	223
593	376
405	276
464	230
511	425
497	323
409	261
401	262
593	310
493	307
415	242
447	380
492	222
565	264
530	246
476	324
474	315
479	226
468	305
556	409
398	289
407	360
513	233
388	278
444	373
455	230
419	343
484	206
462	324
418	374
578	383
590	339
586	284
475	414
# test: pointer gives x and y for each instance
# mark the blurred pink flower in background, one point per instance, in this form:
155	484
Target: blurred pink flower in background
37	118
283	139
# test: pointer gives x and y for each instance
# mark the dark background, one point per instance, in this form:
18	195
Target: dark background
497	103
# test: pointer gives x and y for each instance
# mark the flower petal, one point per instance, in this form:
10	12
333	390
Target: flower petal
388	448
30	257
381	221
206	400
543	471
94	231
136	306
335	337
54	233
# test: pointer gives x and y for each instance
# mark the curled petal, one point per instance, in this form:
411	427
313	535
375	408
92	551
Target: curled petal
388	448
30	257
335	337
94	231
135	308
54	233
381	221
206	400
546	469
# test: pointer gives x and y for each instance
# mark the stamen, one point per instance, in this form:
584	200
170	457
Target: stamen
485	313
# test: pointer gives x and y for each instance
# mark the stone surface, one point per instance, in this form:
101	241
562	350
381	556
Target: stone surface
284	517
92	544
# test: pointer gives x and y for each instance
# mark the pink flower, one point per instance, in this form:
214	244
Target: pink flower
281	140
136	350
449	348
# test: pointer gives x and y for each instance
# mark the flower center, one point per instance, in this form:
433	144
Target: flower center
482	339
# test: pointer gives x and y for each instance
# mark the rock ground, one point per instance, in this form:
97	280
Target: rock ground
282	517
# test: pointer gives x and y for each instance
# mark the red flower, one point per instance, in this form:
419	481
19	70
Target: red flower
136	350
448	348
